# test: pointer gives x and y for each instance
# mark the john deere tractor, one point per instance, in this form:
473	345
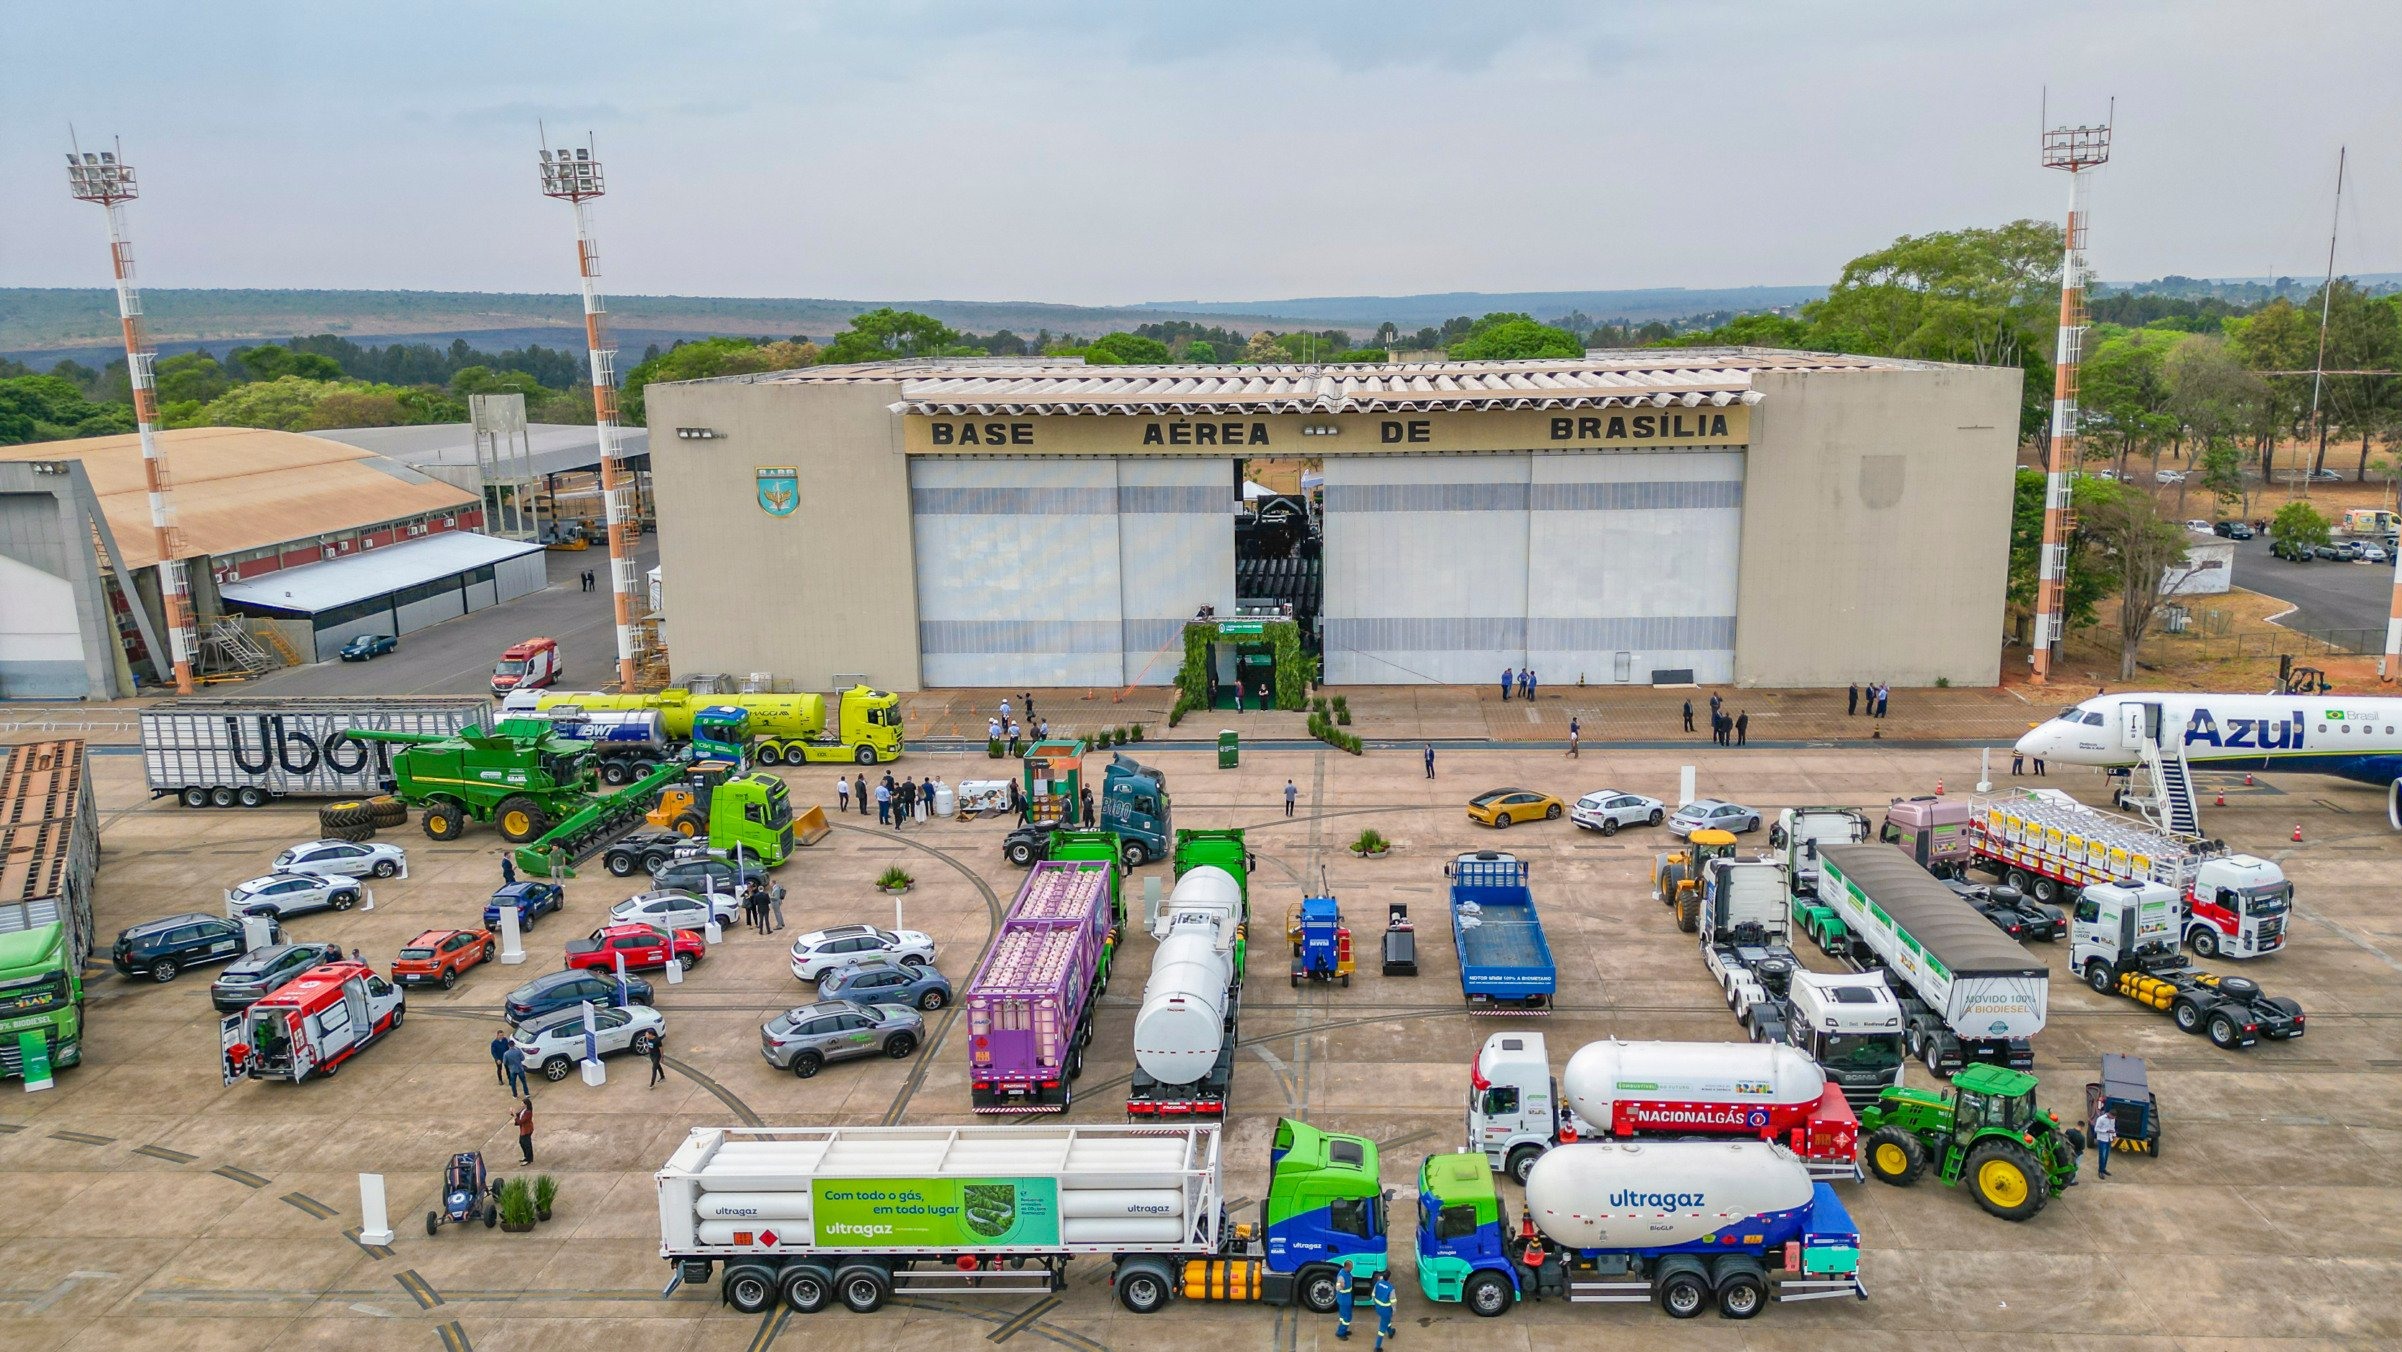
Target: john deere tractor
1677	878
1985	1129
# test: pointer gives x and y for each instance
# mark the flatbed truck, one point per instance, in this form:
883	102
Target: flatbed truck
1505	963
819	1216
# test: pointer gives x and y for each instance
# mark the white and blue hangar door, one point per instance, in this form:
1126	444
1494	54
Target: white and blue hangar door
1051	571
1612	566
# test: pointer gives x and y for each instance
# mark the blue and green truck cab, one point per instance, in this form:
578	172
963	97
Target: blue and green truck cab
41	996
1324	1210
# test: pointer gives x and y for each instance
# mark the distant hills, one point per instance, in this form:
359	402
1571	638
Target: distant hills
1433	307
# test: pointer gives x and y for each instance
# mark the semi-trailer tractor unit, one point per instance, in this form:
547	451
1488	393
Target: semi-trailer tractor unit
1684	1224
2123	941
816	1216
1656	1090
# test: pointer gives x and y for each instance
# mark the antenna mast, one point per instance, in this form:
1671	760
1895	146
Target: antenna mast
2076	150
104	178
2318	369
574	176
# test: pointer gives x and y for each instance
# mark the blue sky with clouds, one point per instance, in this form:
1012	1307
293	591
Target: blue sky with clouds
1104	152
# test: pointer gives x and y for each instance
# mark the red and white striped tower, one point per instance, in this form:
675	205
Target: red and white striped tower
2075	149
574	176
103	177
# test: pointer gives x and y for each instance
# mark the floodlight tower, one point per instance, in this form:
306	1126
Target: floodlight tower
574	176
103	177
2076	150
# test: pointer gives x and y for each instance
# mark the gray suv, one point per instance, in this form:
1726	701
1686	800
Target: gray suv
882	981
804	1039
259	972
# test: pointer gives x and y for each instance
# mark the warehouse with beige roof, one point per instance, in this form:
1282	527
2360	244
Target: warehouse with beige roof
1720	516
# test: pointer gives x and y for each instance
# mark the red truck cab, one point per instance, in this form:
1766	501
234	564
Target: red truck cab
642	946
531	665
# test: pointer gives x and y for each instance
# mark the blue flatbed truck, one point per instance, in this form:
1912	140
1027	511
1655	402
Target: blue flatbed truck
1505	963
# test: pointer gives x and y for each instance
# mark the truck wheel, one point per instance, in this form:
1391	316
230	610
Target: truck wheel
1315	1286
2224	1033
2007	1181
620	865
769	754
749	1289
442	821
2097	975
2205	942
251	795
2047	890
863	1289
1895	1156
520	819
556	1068
866	755
1741	1295
1688	909
2187	1016
1684	1294
1133	855
194	796
1021	854
2016	878
1486	1294
807	1064
1143	1288
222	796
1521	1162
808	1288
612	773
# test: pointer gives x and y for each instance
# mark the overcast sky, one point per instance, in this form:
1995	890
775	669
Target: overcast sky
1103	152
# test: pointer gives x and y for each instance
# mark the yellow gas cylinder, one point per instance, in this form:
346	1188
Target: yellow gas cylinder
1221	1279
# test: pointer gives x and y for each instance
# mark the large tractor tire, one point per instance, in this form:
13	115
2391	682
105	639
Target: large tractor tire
443	821
520	819
335	816
1894	1156
2007	1180
1663	886
386	810
688	825
354	834
1688	909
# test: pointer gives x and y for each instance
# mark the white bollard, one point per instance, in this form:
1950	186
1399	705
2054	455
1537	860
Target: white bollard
258	931
1984	769
367	895
1684	787
675	972
713	932
374	1226
512	942
594	1073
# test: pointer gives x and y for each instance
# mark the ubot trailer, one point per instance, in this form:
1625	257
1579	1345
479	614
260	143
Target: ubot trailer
857	1215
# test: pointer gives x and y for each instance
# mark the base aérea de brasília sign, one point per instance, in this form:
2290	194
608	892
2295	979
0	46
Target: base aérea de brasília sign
934	1213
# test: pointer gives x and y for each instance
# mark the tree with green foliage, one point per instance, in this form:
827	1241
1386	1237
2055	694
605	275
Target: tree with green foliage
1200	352
1126	349
272	362
484	380
2298	526
702	360
1755	330
53	408
190	377
2145	555
2216	400
2086	582
886	334
2220	468
1514	337
2123	393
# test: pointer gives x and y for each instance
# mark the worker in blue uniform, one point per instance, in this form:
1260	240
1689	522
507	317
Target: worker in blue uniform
1382	1293
1342	1300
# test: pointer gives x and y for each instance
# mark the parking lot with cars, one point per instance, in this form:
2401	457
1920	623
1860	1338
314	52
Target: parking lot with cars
143	1202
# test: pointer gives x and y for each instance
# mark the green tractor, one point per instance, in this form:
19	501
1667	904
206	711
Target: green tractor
1985	1129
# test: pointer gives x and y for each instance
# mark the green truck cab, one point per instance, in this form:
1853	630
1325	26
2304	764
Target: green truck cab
745	816
41	993
1985	1128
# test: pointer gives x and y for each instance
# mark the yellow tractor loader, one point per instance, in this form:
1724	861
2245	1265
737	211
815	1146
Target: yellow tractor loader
1676	880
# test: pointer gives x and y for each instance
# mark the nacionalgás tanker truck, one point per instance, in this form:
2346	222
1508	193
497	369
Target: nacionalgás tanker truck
1031	1002
816	1215
1184	1035
1968	991
1667	1090
787	729
1685	1223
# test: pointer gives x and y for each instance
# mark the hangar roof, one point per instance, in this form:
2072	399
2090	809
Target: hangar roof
313	587
239	488
1688	377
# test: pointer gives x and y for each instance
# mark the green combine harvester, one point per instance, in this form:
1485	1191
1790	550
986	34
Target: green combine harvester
541	791
1984	1129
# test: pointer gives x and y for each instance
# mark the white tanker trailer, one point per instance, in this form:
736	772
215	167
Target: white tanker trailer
1184	1035
1683	1223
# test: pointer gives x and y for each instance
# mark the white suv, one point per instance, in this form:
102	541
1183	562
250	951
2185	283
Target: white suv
821	951
343	859
289	893
1605	810
555	1042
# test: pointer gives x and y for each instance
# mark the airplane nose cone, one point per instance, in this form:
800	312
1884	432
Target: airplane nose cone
2034	743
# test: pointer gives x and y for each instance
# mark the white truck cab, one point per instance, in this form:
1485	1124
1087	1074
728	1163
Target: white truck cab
2121	923
2238	907
1851	1025
1514	1108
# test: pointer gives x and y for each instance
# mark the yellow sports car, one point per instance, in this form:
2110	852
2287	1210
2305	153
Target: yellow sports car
1504	806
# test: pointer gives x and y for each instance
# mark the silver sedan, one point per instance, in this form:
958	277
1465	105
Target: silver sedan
803	1039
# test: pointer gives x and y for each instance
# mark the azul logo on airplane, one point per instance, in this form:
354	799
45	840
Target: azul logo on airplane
2264	734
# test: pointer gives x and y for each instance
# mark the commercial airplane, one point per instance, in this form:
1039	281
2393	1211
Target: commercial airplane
2353	737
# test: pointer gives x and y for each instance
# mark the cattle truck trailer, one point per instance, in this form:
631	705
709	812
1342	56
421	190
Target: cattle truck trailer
817	1215
227	752
1031	1002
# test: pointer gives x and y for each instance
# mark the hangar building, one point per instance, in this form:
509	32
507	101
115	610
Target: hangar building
1744	516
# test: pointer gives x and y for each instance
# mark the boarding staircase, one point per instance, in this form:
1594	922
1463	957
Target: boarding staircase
2171	805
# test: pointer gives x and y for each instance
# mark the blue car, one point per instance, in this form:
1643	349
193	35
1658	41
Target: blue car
533	901
881	981
568	989
367	647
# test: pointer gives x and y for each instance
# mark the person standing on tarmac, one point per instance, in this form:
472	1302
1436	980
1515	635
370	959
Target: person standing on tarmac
1743	727
1688	715
525	1129
1291	795
1575	728
1430	760
2105	1139
842	795
1382	1294
500	1053
1509	677
860	788
657	1072
508	870
1342	1301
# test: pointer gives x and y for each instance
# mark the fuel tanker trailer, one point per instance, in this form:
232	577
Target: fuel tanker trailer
1687	1224
1185	1033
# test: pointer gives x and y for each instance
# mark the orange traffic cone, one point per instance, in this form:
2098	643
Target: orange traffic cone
2297	830
1939	788
2222	798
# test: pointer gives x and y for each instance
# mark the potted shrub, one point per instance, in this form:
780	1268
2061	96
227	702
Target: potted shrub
1371	845
516	1206
894	881
546	1191
992	747
1138	732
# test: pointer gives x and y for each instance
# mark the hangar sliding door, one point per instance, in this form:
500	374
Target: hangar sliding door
1632	565
1017	571
1425	565
1175	555
1604	566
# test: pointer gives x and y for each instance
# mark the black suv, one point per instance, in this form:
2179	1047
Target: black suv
644	852
700	875
161	948
255	974
2233	530
566	990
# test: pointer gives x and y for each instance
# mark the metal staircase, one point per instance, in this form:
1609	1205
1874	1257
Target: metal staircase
2171	805
229	647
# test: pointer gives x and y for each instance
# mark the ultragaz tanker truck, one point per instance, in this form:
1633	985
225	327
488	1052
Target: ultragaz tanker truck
1688	1224
1184	1035
856	1215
